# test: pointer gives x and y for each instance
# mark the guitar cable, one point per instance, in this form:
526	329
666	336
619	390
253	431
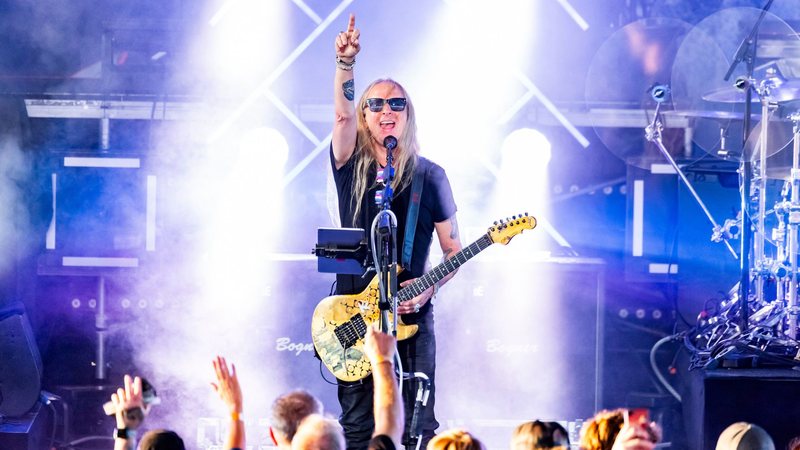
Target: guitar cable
324	378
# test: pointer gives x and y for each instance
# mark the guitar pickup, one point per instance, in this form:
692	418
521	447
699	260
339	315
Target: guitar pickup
351	331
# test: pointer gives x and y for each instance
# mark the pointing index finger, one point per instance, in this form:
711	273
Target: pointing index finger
352	25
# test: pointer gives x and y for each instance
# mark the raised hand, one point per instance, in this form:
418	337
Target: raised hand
347	46
379	346
640	435
227	385
128	403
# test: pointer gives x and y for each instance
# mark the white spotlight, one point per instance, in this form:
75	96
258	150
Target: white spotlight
526	148
263	148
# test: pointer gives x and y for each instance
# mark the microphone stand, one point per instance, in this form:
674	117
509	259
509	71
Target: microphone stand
384	228
747	53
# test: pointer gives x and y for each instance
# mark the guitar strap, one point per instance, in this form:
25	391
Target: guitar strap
413	210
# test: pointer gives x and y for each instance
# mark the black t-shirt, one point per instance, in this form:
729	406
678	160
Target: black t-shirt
436	205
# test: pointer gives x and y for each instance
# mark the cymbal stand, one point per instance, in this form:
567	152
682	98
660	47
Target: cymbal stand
746	53
778	265
653	134
794	222
760	263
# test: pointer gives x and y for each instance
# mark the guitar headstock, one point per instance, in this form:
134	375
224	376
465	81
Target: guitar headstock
503	230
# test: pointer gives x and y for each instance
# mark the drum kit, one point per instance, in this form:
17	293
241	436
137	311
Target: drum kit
736	67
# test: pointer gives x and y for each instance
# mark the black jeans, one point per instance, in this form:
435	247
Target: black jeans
419	355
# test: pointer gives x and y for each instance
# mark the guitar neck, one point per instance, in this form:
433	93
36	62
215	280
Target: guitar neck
424	282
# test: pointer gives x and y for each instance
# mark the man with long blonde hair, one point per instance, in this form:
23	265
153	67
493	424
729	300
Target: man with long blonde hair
357	153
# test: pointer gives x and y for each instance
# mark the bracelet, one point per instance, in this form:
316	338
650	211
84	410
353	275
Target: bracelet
236	416
344	65
124	433
382	361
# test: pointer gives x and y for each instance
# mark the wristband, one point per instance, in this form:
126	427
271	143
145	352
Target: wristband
348	66
236	416
124	433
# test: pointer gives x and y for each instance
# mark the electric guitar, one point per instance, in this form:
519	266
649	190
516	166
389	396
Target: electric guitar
340	322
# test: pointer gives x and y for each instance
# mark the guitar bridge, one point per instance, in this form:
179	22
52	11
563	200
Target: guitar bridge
351	331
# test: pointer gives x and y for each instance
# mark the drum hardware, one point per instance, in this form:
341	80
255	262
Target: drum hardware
653	134
713	100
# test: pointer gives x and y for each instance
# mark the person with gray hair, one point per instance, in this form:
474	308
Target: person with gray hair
317	432
288	411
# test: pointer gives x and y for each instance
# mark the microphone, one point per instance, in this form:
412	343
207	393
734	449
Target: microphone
390	142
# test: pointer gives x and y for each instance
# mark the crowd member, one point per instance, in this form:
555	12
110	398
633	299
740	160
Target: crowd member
129	411
227	386
540	435
288	411
317	432
601	430
609	430
380	350
455	439
745	436
794	444
357	153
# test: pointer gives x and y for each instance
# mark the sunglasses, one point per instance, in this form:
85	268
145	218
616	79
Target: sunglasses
376	104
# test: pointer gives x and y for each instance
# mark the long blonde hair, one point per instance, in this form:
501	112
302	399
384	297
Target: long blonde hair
405	155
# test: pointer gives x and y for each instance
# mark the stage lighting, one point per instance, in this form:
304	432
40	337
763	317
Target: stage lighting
263	148
524	148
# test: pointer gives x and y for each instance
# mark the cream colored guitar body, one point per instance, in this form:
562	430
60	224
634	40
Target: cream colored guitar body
349	316
340	322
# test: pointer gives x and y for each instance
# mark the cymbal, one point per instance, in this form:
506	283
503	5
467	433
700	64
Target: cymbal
698	78
623	71
780	92
729	95
711	114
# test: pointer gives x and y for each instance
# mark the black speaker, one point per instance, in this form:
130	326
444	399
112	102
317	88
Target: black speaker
20	363
30	431
718	398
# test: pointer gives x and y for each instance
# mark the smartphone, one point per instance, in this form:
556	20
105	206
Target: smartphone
637	416
640	417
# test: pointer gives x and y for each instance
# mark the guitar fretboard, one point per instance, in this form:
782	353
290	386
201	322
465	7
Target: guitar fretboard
442	270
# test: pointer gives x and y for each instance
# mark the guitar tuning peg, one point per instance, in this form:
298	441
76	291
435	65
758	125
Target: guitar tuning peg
495	223
514	217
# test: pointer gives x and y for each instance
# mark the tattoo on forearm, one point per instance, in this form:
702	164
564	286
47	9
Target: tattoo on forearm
454	230
348	88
